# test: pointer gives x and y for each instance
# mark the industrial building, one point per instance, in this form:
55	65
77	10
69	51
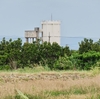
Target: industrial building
49	31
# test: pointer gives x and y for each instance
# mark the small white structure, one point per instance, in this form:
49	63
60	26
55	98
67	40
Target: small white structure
50	32
33	35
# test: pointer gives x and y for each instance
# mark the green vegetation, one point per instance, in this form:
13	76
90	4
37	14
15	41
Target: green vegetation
14	55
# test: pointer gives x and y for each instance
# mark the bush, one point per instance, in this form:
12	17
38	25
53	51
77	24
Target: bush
5	67
63	63
89	59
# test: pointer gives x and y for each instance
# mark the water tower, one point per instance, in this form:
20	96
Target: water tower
51	31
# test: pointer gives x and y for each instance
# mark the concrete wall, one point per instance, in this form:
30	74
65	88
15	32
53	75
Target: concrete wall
30	34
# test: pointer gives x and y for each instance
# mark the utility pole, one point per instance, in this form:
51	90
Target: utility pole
49	36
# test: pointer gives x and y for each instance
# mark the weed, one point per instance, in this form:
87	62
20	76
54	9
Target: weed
9	97
20	95
57	93
95	71
78	90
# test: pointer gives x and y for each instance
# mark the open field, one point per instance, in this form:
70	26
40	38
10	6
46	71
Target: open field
50	85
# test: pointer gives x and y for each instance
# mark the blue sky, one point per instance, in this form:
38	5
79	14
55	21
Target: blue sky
79	18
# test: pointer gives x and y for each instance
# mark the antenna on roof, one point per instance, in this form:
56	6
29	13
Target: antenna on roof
51	16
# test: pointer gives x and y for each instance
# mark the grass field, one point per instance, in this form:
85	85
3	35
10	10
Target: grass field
50	85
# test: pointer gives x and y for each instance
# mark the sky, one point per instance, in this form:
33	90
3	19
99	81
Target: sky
79	18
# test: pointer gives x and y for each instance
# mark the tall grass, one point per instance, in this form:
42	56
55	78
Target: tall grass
86	88
37	69
83	88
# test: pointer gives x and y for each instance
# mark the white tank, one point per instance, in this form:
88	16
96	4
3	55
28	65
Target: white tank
51	31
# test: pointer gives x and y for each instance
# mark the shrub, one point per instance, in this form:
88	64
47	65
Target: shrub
63	63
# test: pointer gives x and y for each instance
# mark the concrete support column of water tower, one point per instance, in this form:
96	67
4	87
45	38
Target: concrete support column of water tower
26	40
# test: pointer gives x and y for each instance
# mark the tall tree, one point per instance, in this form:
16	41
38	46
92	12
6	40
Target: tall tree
86	45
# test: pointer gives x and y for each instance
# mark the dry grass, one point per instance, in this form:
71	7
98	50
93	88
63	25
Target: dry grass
85	88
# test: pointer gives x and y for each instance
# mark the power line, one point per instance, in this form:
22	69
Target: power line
50	36
73	37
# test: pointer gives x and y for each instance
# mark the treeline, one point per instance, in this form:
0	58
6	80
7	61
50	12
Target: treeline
14	55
